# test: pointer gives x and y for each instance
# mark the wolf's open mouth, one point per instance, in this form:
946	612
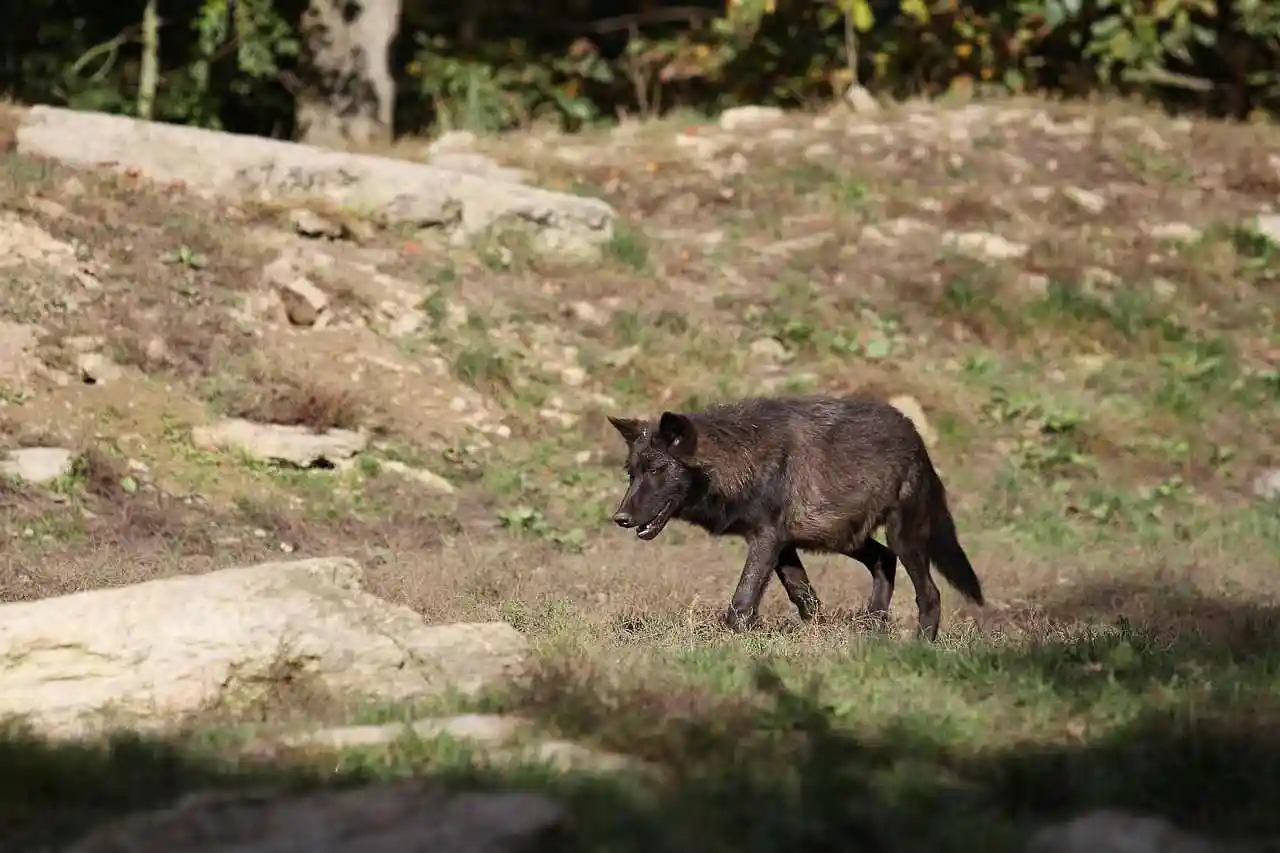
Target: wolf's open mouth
654	526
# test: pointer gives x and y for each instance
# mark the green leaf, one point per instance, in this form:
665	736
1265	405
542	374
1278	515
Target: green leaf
877	348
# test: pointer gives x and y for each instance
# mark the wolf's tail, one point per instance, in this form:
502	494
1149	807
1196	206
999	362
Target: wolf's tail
944	547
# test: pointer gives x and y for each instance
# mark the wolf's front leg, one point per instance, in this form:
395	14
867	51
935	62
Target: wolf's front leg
763	551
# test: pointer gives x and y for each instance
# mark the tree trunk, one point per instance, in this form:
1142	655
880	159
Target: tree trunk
350	93
149	75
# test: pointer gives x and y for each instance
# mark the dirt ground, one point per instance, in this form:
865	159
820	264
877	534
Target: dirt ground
1079	297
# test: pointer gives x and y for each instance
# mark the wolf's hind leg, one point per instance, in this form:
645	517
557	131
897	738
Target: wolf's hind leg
882	563
795	580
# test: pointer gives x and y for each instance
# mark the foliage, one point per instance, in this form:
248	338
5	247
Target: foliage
499	64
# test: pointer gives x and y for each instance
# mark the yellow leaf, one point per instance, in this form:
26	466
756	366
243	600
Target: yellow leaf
964	50
770	6
916	9
863	20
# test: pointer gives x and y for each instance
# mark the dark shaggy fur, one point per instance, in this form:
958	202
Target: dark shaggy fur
797	473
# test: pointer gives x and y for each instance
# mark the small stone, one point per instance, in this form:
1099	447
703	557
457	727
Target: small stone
1086	200
585	312
1164	289
96	369
1268	225
308	223
296	445
83	343
860	100
1267	485
452	141
47	207
1180	232
1035	285
750	117
406	324
622	357
819	151
769	349
573	376
985	245
37	465
430	479
303	301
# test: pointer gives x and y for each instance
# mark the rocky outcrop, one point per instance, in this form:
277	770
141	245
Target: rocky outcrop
144	656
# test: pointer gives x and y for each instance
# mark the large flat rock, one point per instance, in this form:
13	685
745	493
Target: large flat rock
143	656
242	166
391	817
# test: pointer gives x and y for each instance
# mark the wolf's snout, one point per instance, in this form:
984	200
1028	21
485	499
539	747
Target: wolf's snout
622	518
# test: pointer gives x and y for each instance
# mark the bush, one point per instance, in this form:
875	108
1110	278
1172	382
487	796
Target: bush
499	64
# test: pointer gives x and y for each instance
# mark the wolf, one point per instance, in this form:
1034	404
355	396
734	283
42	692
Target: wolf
799	473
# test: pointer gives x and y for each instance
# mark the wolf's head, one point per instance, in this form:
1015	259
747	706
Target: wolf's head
660	479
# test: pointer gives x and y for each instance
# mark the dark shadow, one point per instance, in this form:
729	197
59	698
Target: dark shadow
774	769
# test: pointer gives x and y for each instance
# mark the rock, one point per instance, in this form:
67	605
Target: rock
308	223
622	357
18	362
451	142
573	376
985	246
406	323
911	407
585	312
296	445
83	343
404	816
37	464
1086	200
1267	485
239	166
1117	832
750	117
303	301
96	369
1178	232
819	151
1034	284
858	99
567	756
145	655
1268	225
487	729
1163	289
431	480
769	350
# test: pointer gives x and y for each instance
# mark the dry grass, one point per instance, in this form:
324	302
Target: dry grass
1102	402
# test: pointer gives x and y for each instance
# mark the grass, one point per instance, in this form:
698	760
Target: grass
1101	404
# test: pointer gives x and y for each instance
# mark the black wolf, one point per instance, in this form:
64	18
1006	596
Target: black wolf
786	474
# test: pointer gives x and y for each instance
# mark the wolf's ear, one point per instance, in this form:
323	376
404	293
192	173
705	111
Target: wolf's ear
629	428
678	434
